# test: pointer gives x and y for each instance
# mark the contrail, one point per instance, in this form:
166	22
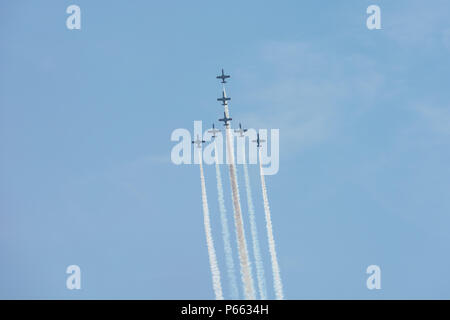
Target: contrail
225	232
273	254
249	291
254	231
209	240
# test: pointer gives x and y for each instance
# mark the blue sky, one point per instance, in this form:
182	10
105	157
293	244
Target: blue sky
86	119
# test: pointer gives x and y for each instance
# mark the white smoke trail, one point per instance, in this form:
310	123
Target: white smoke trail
225	232
209	240
273	254
254	231
247	279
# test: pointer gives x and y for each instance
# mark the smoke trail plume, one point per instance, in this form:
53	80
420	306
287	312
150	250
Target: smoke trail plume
209	240
247	279
226	233
256	251
273	254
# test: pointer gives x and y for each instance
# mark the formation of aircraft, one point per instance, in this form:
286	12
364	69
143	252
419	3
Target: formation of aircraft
240	130
258	141
223	76
198	142
226	120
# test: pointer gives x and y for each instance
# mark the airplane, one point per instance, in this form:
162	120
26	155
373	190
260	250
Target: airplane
198	142
240	130
258	140
225	120
213	131
224	99
223	77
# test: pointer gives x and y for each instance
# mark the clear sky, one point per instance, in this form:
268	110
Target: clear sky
86	119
